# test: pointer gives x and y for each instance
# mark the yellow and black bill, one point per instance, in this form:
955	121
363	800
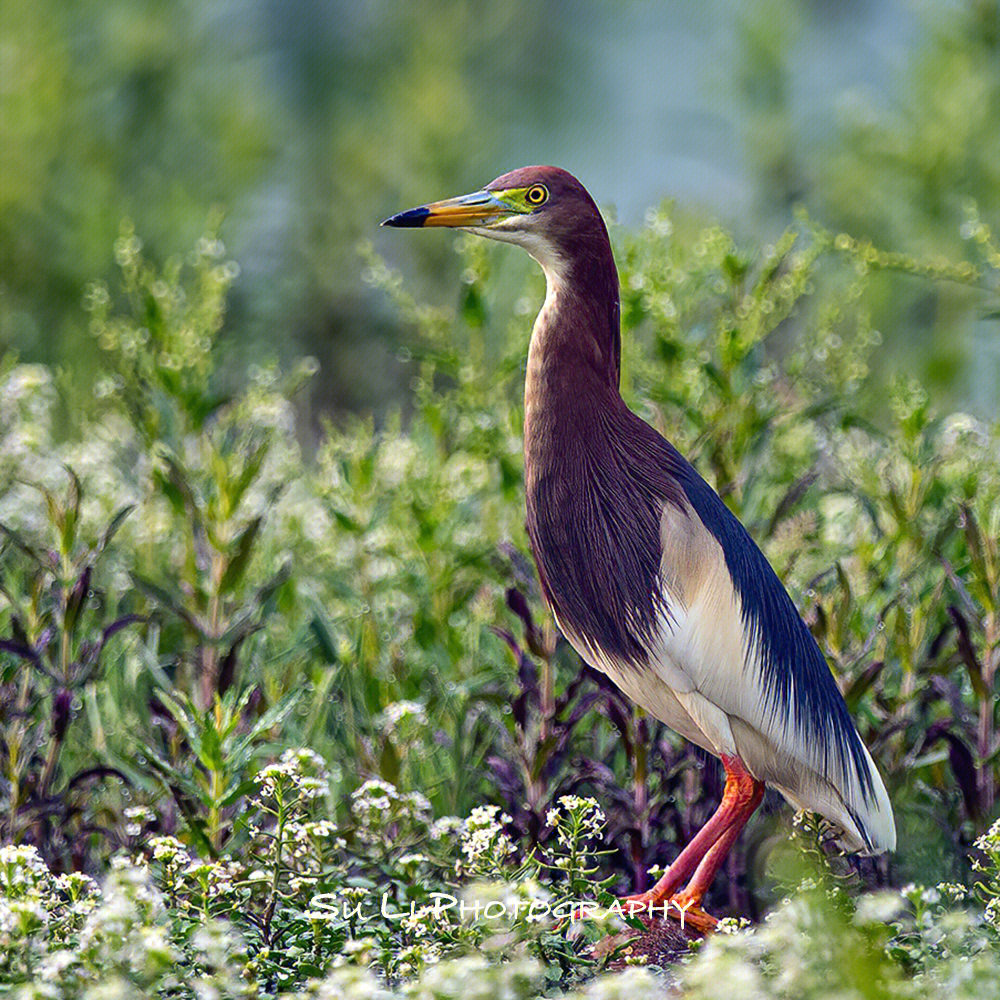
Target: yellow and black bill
481	208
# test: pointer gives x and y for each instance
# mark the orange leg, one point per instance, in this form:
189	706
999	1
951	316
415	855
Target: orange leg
704	855
688	900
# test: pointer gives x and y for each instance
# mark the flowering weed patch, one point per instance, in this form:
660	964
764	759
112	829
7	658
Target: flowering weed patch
283	721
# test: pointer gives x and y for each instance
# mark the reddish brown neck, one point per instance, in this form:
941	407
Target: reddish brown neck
574	361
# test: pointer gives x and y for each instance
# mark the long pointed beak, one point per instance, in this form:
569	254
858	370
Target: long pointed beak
477	209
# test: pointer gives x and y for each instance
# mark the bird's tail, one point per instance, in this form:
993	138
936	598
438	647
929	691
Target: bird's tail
868	822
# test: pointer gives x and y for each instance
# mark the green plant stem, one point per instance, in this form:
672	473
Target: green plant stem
209	656
987	708
279	838
65	661
51	759
14	743
215	814
548	696
641	773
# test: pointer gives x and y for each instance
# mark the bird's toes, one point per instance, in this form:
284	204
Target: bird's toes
681	907
688	911
641	903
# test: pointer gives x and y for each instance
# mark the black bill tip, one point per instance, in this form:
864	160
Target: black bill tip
412	218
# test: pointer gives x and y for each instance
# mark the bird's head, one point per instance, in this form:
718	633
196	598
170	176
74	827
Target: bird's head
546	210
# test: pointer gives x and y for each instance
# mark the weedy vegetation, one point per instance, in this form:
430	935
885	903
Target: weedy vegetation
280	720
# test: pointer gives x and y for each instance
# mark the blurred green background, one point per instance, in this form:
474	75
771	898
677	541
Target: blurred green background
307	122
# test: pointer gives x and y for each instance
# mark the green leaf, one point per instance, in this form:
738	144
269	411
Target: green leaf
319	625
24	546
113	525
71	514
274	716
76	600
171	602
210	743
237	487
242	549
178	478
389	765
235	792
267	590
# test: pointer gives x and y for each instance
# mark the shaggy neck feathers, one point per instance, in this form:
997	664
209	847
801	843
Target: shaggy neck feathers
595	475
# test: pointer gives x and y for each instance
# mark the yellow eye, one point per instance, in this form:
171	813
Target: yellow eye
536	195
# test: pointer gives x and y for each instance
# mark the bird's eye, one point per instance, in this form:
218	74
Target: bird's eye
536	195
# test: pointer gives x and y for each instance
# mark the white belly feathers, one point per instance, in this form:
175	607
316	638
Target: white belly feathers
702	680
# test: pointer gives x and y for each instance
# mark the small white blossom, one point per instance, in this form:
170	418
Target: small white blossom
952	891
989	841
577	817
299	773
170	852
412	861
22	869
137	817
401	713
878	908
627	985
446	828
319	828
484	843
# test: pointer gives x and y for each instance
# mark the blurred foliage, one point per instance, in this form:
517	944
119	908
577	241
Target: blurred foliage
308	122
283	114
909	168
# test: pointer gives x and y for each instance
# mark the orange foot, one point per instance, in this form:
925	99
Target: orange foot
685	909
641	902
688	910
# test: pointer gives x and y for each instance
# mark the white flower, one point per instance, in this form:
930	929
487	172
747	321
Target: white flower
446	828
962	428
76	885
952	891
417	922
398	712
372	805
878	908
349	982
412	860
576	818
137	817
474	978
56	965
25	916
989	841
170	852
319	828
483	838
22	869
417	806
300	772
375	793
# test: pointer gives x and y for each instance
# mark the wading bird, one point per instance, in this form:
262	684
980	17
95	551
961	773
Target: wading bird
647	573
